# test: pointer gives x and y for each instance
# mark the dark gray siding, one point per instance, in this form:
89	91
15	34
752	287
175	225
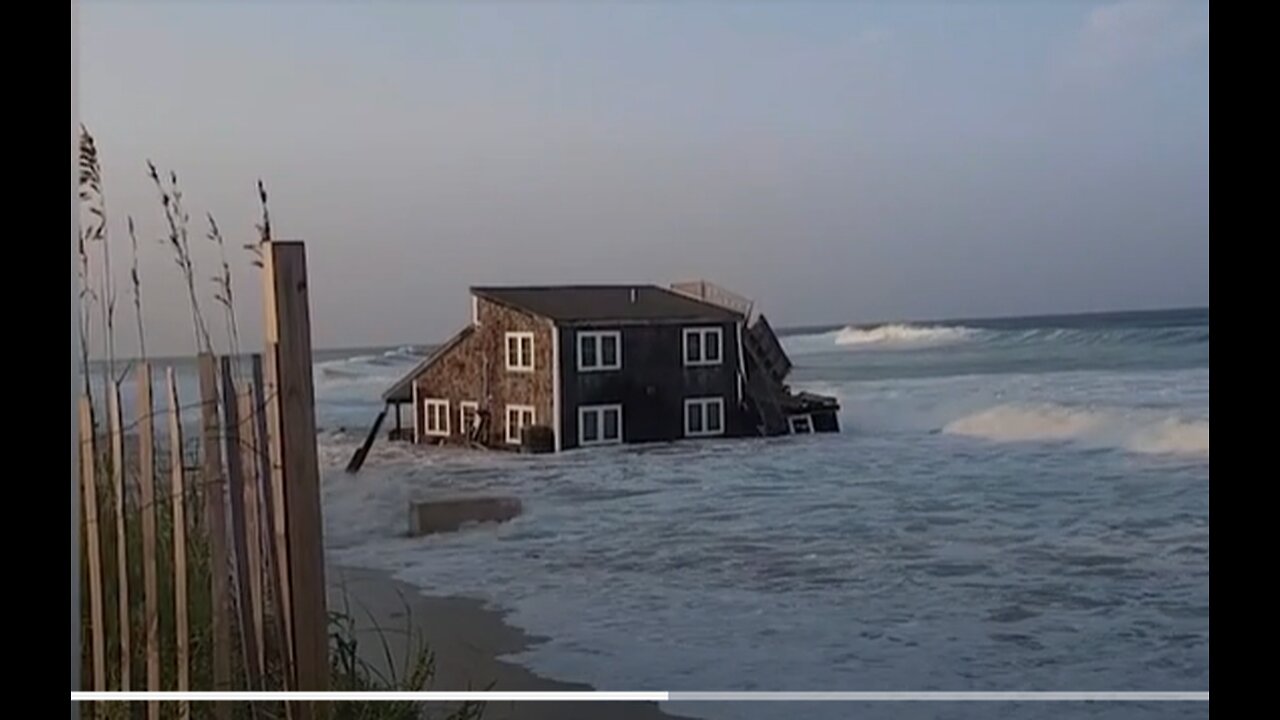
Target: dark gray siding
652	384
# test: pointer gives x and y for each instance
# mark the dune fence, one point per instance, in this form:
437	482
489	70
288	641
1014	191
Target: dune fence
202	562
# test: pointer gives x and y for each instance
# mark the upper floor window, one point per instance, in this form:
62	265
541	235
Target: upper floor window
600	350
702	346
520	351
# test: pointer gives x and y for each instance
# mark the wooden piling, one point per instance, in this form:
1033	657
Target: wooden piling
363	451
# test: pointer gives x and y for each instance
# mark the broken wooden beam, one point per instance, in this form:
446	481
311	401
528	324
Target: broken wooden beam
358	459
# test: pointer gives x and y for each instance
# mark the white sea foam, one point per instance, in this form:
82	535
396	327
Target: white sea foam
903	335
887	337
1172	435
621	549
906	336
1138	432
757	548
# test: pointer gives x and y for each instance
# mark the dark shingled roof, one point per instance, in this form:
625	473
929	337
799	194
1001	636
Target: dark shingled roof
600	303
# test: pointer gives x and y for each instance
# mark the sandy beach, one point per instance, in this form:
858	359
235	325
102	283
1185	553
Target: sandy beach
467	640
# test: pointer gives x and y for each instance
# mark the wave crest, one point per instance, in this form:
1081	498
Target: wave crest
911	336
903	335
1146	434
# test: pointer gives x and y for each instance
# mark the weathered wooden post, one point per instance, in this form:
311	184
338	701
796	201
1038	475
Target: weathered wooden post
215	513
178	494
252	523
92	549
293	439
273	490
122	543
147	503
271	525
239	528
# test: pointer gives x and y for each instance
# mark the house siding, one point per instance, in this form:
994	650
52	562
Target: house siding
653	382
453	377
475	370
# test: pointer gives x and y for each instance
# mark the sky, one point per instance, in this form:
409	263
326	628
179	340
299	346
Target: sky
836	162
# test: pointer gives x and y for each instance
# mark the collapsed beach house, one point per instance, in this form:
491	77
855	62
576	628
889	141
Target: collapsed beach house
551	368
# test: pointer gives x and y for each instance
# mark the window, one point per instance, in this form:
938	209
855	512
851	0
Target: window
437	412
703	417
469	416
702	346
600	350
801	424
518	418
599	424
520	351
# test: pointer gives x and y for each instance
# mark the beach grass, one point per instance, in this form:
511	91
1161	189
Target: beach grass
350	669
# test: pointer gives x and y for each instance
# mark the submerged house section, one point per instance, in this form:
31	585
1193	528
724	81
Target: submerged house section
557	367
771	402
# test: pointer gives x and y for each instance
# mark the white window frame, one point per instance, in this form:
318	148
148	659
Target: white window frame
806	419
514	438
702	333
597	337
427	405
704	403
462	415
583	410
524	364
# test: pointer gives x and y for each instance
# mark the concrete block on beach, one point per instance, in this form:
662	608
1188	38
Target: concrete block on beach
448	515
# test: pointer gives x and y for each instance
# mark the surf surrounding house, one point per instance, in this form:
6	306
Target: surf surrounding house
558	367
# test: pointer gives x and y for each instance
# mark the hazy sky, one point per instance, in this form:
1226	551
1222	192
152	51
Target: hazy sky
838	162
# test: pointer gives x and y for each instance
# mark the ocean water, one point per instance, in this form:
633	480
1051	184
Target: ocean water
1013	504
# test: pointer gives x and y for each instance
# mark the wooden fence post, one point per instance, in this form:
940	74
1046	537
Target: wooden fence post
239	530
178	494
147	504
271	479
252	520
122	540
93	551
215	512
273	485
289	334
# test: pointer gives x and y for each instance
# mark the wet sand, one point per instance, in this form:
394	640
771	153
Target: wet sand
467	640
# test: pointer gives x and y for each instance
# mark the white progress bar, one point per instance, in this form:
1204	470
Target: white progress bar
659	696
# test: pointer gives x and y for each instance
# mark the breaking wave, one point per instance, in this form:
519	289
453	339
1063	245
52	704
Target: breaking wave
903	335
1127	430
882	337
907	337
357	376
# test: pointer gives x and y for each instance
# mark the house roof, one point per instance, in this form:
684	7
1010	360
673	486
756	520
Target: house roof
600	303
402	391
